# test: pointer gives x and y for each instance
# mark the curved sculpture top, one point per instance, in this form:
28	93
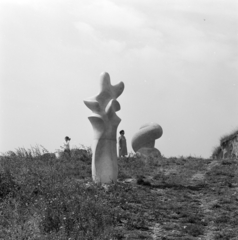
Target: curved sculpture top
146	136
103	106
105	122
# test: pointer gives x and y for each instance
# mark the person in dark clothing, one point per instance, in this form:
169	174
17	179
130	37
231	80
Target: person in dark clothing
122	144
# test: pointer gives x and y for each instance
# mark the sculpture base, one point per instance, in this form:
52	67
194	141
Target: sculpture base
149	152
104	161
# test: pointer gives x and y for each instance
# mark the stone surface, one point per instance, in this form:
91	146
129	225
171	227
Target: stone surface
234	145
149	152
59	154
146	136
104	123
228	147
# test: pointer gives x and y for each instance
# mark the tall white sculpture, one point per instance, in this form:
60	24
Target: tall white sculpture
105	122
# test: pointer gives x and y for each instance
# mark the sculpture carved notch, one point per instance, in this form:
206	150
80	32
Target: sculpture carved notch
105	122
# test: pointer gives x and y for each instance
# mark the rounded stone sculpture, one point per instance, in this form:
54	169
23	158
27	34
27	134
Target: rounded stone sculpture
144	140
105	122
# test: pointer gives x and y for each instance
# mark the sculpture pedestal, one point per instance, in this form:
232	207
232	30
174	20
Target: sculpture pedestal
149	152
104	161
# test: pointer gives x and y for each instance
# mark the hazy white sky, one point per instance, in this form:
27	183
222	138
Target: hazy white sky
177	58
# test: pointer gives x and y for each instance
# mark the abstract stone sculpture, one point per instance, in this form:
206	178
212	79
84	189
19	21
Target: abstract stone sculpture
144	140
105	122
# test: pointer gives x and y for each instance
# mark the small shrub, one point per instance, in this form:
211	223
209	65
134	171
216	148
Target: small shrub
136	222
222	219
7	185
193	230
224	235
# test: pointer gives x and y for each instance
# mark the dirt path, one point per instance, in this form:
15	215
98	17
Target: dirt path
208	203
205	203
205	200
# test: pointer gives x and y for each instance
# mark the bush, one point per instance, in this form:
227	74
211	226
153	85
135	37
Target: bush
7	185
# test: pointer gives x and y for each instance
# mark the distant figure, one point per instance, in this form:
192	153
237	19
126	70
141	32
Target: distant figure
66	145
122	144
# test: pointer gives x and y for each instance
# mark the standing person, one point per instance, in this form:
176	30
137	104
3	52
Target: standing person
66	145
122	144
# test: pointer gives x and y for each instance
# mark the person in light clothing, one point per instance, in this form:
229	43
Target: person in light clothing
66	145
122	144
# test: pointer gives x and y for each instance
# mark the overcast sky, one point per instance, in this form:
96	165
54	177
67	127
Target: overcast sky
178	60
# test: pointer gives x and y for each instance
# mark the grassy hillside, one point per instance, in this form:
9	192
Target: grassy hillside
176	198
